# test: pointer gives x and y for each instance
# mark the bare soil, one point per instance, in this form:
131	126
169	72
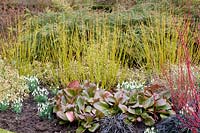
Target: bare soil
29	122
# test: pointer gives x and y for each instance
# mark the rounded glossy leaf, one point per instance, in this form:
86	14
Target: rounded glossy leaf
61	115
123	108
102	106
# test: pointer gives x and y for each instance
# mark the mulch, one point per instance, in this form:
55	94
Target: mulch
29	122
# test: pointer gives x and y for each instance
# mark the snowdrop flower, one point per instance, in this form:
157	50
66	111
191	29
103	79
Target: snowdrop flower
131	85
40	92
44	110
150	130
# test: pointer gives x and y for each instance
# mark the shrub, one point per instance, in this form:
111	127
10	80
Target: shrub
185	97
88	104
185	91
12	85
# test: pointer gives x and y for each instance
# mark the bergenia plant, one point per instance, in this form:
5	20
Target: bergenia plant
88	104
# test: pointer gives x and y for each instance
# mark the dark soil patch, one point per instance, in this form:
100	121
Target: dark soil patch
29	122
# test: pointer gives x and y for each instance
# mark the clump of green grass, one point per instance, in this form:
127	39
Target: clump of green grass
100	48
160	42
95	52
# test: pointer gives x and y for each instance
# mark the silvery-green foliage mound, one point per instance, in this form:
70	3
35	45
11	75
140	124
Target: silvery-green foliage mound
12	85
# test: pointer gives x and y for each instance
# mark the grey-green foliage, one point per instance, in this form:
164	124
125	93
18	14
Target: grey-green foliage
12	85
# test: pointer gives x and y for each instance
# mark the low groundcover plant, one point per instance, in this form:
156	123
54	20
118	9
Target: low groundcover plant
130	85
40	95
45	110
4	105
17	105
32	82
88	104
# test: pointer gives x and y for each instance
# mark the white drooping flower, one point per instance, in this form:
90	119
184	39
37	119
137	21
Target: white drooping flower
150	130
131	85
40	92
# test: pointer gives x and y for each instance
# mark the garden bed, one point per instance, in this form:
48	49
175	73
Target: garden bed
77	66
29	122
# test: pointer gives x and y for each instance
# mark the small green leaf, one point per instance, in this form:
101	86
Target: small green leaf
87	124
80	129
91	91
88	109
164	107
136	105
141	99
40	99
163	116
131	117
80	103
138	111
171	112
94	127
149	102
133	99
62	122
148	120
